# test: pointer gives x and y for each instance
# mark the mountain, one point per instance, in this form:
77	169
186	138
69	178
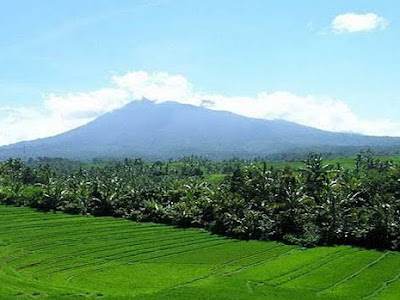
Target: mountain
169	130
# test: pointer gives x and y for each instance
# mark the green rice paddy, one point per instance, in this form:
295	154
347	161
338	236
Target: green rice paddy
59	256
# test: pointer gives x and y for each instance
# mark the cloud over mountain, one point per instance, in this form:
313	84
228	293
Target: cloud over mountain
61	112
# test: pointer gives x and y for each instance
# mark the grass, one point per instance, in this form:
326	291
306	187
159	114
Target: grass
346	162
58	256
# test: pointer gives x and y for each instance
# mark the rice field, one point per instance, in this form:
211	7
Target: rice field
59	256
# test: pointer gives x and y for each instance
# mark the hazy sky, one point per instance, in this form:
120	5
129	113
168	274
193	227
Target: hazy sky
331	64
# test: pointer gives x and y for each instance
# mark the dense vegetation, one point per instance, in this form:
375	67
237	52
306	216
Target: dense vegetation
61	256
318	204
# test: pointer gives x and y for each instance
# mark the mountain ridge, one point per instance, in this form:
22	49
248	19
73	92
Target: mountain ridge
146	129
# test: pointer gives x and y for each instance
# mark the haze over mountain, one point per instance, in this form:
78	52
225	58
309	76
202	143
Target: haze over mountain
169	130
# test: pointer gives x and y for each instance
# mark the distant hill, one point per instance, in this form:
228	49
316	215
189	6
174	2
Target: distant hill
169	130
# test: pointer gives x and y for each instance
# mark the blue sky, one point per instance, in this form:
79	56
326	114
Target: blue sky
226	48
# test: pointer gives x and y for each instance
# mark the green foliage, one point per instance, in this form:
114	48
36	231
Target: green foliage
314	203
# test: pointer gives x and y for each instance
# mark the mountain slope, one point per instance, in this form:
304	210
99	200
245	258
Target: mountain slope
167	130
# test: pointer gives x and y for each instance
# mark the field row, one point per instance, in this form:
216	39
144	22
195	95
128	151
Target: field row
63	256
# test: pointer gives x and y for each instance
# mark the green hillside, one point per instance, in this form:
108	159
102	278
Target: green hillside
62	256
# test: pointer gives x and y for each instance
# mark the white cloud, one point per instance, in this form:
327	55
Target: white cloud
27	123
59	113
352	22
158	85
86	105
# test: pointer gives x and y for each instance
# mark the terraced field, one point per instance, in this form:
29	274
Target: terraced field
62	256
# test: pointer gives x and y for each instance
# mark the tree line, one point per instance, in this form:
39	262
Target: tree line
318	204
